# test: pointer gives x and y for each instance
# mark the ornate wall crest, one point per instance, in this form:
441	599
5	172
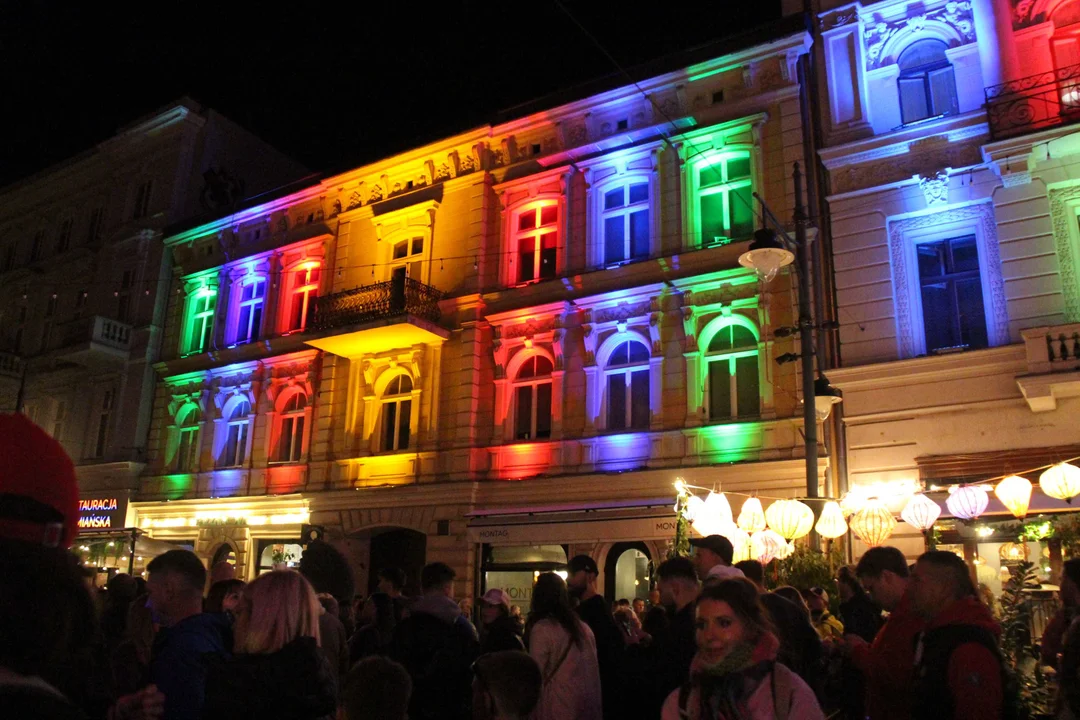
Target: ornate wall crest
1063	205
935	188
956	16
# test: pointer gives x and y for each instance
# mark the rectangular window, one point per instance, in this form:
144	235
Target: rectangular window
291	444
397	415
747	386
725	201
123	296
252	297
187	456
58	421
236	443
305	290
408	258
103	424
617	402
537	240
639	400
720	390
952	301
63	239
142	200
628	407
37	246
93	230
626	223
202	320
9	256
524	420
47	325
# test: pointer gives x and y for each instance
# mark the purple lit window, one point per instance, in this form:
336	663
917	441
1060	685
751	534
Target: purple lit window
926	82
627	374
952	301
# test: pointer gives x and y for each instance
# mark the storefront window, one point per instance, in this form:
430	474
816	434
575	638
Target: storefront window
278	554
632	575
515	569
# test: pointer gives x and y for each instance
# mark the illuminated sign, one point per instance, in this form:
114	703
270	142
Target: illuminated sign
101	513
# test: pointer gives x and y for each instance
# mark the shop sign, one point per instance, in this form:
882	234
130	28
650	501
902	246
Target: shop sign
655	528
102	513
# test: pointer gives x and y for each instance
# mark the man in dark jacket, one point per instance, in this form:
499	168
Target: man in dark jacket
178	658
672	651
1053	639
958	665
610	647
437	645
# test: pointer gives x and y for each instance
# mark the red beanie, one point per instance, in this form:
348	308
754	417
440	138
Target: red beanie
39	496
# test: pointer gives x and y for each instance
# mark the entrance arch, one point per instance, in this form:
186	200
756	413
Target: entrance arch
396	547
627	571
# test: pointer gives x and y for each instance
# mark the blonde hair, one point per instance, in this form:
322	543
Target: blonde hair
282	607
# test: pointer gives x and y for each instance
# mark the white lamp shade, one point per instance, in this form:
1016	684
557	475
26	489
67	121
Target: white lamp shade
740	541
693	507
831	523
1061	481
752	516
785	551
791	519
967	502
766	545
851	503
874	523
1014	492
920	512
717	507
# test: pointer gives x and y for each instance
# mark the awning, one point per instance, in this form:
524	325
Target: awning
621	520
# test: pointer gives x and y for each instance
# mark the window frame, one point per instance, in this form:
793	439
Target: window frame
241	423
924	72
397	400
731	357
695	191
189	431
627	371
305	287
203	320
412	258
533	384
598	226
297	445
950	279
535	205
256	305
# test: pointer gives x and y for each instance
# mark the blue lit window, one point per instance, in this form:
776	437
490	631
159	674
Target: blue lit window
236	438
252	297
626	223
627	374
927	83
951	290
734	385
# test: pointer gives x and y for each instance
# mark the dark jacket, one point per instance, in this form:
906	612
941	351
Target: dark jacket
503	634
669	658
610	653
294	683
32	699
178	661
800	644
335	645
437	645
367	641
861	617
959	669
888	664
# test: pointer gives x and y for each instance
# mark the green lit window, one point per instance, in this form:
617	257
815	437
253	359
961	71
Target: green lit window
734	386
187	454
725	204
201	326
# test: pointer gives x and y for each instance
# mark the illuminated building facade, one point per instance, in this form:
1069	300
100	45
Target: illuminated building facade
953	167
496	350
83	279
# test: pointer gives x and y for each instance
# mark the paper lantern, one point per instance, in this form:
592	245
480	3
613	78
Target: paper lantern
752	517
1013	551
1014	492
785	551
1062	481
704	525
851	503
692	507
967	502
740	541
766	545
921	512
717	507
791	519
831	523
873	524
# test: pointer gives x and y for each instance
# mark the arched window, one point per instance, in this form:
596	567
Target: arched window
397	413
407	258
926	82
304	289
626	222
627	374
250	303
236	435
291	438
187	454
724	197
532	399
734	388
536	237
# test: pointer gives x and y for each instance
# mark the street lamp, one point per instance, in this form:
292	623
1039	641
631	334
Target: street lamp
825	396
766	254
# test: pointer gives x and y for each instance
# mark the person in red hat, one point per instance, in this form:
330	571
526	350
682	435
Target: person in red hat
48	624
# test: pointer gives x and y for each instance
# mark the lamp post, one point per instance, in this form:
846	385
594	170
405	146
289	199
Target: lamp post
770	251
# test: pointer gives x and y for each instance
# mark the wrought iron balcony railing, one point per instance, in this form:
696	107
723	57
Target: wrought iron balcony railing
1033	103
398	296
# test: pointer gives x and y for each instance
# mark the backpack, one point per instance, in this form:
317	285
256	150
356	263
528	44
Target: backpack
779	681
438	656
931	691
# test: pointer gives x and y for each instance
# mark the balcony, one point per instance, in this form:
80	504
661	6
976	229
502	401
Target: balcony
1037	102
1053	365
94	342
11	365
398	313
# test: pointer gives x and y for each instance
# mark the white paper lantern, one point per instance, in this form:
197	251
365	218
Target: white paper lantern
851	503
791	519
785	551
921	512
693	507
717	507
1061	481
831	523
1014	492
874	523
766	545
752	517
740	541
967	502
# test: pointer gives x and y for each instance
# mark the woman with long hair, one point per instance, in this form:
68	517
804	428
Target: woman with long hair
734	675
376	630
278	669
565	650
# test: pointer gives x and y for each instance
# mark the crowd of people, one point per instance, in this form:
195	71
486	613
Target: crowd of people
712	643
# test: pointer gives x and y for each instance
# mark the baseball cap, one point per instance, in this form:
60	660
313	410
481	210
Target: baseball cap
496	596
718	544
39	495
583	562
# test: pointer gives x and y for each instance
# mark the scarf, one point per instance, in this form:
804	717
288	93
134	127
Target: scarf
720	690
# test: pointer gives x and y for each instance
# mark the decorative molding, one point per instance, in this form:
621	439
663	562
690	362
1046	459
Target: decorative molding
1063	204
955	18
935	188
831	22
1026	13
982	215
903	167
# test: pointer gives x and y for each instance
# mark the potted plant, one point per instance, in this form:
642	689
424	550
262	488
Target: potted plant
280	557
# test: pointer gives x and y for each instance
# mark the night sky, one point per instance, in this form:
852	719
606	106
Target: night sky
332	85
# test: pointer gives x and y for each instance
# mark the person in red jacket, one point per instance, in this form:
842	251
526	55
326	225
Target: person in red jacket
1053	639
958	664
888	663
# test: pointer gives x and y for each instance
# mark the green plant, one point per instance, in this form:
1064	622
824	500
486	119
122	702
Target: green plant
805	568
1036	695
281	555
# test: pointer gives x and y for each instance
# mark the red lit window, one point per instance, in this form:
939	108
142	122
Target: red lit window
305	288
537	240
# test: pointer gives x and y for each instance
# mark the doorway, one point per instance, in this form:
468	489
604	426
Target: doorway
397	547
627	571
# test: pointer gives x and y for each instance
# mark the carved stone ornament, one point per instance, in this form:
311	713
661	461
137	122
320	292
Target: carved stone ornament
935	188
376	194
621	312
1063	205
828	22
902	167
956	15
1024	15
981	215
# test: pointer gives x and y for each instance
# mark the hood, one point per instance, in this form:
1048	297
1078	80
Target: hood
438	605
724	572
966	611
